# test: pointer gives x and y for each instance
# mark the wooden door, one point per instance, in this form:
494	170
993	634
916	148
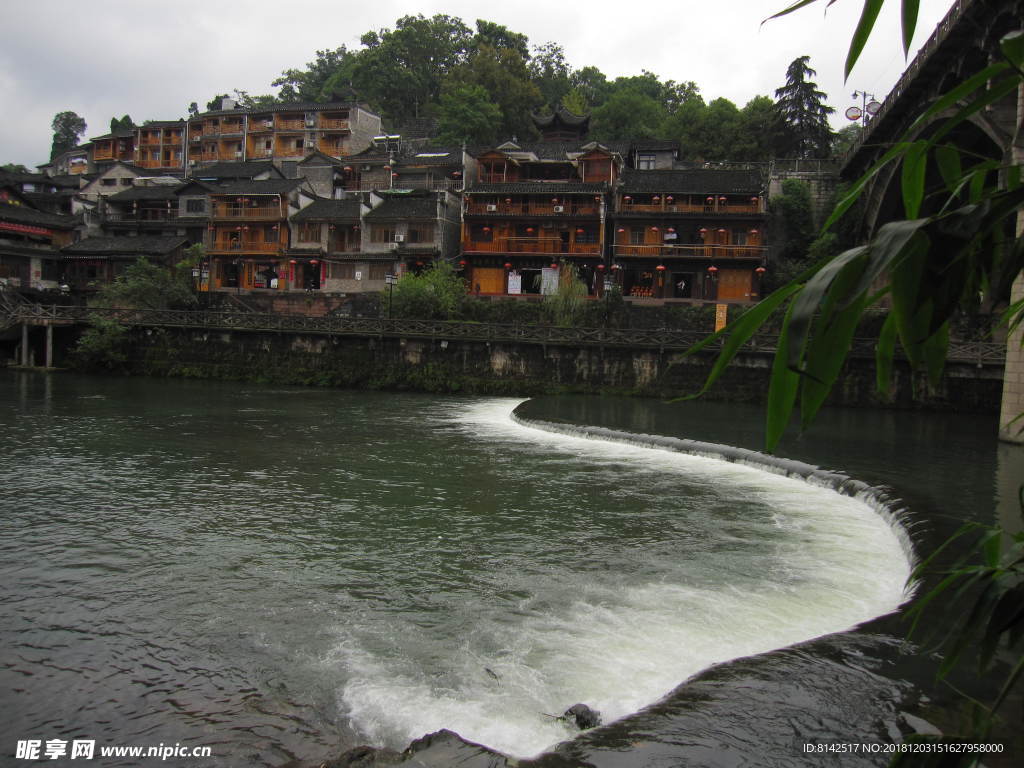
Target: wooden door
734	284
488	280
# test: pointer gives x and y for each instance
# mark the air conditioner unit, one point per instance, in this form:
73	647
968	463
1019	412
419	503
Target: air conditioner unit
310	122
192	163
238	154
559	209
268	123
366	168
399	238
491	208
394	246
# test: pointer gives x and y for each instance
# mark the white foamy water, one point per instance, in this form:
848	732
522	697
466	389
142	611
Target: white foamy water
825	562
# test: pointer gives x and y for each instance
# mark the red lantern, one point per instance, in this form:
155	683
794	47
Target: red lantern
457	174
554	201
579	230
554	266
656	199
348	169
331	227
210	227
760	271
529	230
600	267
754	200
314	262
721	231
669	199
753	232
722	199
615	267
660	267
245	228
712	269
275	228
508	201
654	229
238	229
597	198
670	229
508	265
702	231
628	199
620	230
486	229
710	200
419	263
292	261
387	167
462	263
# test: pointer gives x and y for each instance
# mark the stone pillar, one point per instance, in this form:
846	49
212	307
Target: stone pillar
49	346
1013	377
24	344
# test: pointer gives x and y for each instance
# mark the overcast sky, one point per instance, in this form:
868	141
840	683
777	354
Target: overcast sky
108	58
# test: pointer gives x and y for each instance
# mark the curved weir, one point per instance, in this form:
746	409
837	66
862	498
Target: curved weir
752	554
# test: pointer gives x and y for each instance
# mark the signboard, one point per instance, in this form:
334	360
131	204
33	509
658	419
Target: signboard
549	281
390	279
359	275
721	316
25	228
515	283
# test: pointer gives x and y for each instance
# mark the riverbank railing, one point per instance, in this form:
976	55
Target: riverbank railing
979	353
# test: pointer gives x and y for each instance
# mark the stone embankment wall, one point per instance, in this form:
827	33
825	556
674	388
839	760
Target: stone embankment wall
436	365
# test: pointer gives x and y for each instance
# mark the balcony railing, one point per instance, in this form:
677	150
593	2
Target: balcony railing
137	216
532	209
234	211
696	250
715	207
333	125
292	152
103	154
540	245
291	125
435	185
243	246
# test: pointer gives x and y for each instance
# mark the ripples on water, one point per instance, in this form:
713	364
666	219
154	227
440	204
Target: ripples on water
280	573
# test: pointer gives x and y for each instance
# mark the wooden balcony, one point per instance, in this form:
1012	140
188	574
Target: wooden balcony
690	251
291	125
237	211
292	152
532	209
141	216
243	246
681	207
541	245
103	154
333	125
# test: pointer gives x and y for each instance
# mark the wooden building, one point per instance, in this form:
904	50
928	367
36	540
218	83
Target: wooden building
30	240
529	207
690	234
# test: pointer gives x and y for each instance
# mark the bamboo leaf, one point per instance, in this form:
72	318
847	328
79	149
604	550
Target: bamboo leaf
947	157
794	7
915	162
1011	680
782	387
853	195
861	34
909	21
806	305
955	95
1012	46
887	247
740	332
831	343
935	349
884	352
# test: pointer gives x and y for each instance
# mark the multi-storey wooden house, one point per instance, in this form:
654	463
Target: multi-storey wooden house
30	240
690	234
282	132
248	233
527	208
160	144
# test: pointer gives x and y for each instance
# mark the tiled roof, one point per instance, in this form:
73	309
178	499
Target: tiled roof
562	115
541	187
248	187
301	106
405	208
21	214
240	170
149	245
329	210
554	150
154	192
319	158
180	123
693	182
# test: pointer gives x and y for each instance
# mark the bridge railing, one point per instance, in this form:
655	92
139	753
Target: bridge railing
979	353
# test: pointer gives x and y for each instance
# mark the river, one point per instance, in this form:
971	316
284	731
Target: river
283	573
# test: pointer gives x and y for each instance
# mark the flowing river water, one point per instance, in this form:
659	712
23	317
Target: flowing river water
284	573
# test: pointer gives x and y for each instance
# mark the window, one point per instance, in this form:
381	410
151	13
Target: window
309	232
420	233
343	271
126	182
108	182
587	236
382	233
298	143
378	271
636	235
645	162
195	205
269	233
481	233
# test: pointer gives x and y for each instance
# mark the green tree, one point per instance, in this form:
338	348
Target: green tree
214	104
845	138
67	127
467	114
401	70
591	85
436	293
498	36
193	109
244	99
330	71
565	307
803	129
14	168
628	114
123	125
551	73
146	285
503	74
756	135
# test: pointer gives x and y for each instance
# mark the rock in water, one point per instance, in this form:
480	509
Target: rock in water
582	716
